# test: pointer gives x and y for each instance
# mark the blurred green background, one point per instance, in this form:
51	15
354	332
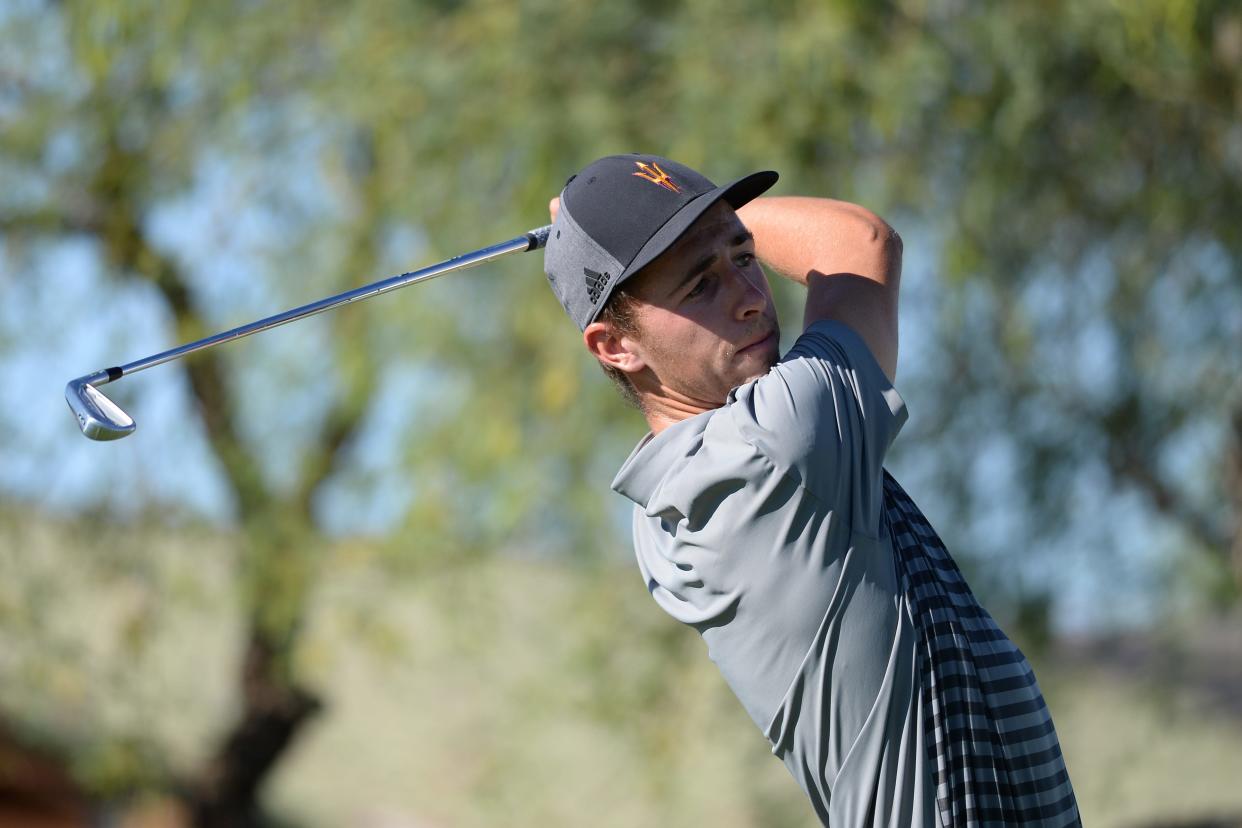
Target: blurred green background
366	570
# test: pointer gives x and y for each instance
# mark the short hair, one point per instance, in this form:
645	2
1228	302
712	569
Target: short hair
619	314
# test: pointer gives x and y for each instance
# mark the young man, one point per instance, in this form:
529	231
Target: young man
763	514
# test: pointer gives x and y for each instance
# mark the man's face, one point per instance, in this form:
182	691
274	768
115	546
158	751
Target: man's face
705	315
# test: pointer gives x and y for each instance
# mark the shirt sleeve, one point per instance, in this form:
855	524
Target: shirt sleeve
826	415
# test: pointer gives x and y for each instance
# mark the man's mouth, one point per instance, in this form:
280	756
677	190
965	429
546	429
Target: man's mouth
758	343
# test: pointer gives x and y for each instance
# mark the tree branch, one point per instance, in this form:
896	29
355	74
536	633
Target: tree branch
1129	459
129	250
47	221
358	369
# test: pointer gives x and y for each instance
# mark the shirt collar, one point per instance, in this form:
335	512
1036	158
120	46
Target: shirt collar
650	461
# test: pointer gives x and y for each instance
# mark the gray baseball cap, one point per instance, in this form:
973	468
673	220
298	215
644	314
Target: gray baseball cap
620	213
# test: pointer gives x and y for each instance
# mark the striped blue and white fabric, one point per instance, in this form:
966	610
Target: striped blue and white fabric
990	741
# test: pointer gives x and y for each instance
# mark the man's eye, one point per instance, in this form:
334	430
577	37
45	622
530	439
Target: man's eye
745	259
699	287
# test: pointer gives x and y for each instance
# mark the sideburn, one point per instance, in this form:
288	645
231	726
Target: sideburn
619	314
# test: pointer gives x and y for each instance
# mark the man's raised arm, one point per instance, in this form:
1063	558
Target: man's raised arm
848	258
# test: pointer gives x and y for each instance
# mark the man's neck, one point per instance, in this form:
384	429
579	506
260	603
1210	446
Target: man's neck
662	411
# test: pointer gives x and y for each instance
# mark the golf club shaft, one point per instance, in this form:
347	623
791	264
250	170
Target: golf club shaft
532	240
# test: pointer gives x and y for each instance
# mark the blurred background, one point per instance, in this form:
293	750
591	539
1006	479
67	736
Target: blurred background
366	570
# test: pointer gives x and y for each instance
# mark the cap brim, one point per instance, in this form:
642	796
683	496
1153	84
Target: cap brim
736	193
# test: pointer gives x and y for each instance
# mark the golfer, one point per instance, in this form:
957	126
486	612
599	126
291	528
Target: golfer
763	515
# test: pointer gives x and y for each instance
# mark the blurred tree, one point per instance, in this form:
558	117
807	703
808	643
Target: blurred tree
107	131
1078	166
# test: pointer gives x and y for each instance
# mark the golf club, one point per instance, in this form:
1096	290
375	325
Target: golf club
101	419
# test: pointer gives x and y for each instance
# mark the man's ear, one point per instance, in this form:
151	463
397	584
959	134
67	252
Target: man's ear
612	349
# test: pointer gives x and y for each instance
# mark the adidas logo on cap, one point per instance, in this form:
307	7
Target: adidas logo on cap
595	283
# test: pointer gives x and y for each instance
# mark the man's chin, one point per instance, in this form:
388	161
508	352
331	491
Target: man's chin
757	365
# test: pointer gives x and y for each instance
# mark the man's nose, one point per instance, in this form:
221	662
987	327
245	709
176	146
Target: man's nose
751	298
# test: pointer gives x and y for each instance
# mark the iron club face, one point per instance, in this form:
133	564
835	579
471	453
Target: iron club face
98	417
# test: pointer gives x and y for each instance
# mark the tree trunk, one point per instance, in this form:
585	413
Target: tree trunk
273	712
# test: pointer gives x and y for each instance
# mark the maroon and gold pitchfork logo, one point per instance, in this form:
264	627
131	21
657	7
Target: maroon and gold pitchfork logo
653	173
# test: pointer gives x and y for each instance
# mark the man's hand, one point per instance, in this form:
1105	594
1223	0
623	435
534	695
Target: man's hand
554	207
847	256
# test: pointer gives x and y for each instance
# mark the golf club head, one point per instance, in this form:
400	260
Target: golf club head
98	417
